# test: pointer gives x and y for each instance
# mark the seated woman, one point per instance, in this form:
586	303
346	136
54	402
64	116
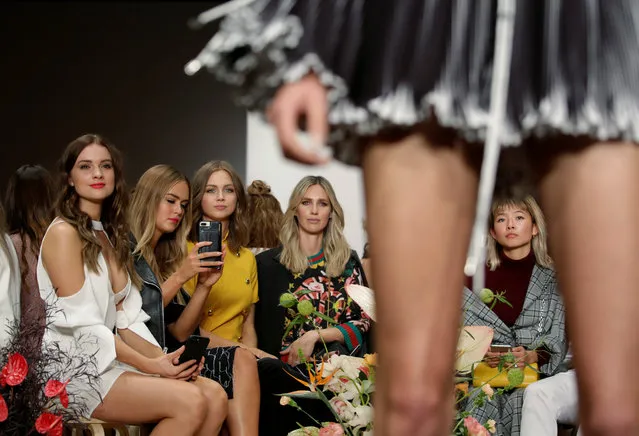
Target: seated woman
85	271
533	323
29	200
9	283
264	217
229	310
160	218
316	264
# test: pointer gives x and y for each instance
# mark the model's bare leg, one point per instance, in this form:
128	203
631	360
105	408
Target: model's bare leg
216	403
591	198
178	407
420	194
244	408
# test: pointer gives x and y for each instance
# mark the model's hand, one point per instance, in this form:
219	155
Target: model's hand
196	263
304	99
168	366
306	343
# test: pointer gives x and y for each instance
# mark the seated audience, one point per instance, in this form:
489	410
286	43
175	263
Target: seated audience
85	270
9	283
160	219
533	323
264	217
316	264
29	202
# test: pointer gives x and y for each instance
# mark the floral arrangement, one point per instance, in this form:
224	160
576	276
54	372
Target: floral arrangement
346	384
34	379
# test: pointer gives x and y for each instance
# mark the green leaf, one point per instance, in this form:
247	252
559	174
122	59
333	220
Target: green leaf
324	317
301	394
295	322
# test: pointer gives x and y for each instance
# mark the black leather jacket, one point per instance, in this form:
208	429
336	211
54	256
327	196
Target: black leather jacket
151	292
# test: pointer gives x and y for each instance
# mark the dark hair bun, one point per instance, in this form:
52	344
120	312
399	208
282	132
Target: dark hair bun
259	187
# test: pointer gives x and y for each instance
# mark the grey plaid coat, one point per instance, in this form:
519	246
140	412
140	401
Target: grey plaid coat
541	322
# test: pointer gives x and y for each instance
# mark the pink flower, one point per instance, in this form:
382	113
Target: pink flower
332	429
474	427
315	286
488	391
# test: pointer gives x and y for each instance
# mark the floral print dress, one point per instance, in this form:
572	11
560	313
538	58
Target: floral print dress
332	307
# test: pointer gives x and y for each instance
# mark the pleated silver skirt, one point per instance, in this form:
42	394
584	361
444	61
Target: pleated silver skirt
394	63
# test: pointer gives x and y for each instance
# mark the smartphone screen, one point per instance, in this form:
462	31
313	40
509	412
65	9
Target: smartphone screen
210	231
195	349
500	348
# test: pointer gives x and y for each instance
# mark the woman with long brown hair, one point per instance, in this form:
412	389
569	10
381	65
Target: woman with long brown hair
229	312
265	217
85	270
29	200
160	217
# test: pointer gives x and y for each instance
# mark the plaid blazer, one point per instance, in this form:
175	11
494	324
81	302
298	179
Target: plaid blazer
541	321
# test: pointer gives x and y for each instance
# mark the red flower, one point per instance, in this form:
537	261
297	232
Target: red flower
15	371
56	388
49	424
4	411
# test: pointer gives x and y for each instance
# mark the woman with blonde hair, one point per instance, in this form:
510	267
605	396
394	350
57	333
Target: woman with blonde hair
314	264
160	221
264	217
532	324
85	270
229	311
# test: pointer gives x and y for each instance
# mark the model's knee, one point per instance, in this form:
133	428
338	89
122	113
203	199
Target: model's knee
245	361
190	405
215	396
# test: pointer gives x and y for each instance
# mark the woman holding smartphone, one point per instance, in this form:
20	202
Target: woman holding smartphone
160	217
229	311
532	325
85	270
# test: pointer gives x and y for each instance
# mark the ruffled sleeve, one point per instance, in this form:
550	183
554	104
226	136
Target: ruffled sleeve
271	42
79	316
133	318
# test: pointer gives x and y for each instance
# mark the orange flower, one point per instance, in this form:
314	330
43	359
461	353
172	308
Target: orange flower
462	387
315	379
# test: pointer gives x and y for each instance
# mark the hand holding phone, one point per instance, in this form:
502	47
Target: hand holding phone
195	347
210	231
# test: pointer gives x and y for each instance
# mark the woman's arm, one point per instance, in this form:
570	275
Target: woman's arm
249	336
191	315
62	259
139	344
191	266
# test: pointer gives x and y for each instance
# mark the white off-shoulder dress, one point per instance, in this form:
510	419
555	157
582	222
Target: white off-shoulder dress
85	322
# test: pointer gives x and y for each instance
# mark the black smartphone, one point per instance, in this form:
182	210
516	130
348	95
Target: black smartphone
195	349
210	231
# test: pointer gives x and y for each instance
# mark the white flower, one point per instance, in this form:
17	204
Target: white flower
363	416
343	408
348	365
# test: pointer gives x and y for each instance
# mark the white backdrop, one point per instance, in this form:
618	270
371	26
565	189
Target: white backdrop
265	162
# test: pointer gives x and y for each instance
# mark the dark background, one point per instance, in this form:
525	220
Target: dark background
70	68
